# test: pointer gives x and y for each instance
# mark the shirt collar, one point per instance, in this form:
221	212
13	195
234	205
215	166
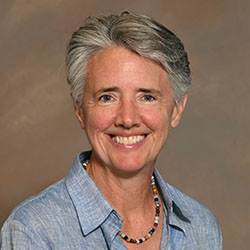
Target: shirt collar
91	206
175	216
93	209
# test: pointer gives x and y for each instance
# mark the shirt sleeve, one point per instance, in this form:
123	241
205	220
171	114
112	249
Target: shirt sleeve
16	236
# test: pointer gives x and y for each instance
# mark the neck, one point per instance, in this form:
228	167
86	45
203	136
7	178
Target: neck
128	195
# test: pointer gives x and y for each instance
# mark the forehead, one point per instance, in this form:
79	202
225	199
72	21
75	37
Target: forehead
118	65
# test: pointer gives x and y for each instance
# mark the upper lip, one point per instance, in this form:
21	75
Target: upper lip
127	134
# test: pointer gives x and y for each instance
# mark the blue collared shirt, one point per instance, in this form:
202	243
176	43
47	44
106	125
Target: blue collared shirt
73	214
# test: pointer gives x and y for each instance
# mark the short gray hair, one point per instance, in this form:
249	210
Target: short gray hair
137	33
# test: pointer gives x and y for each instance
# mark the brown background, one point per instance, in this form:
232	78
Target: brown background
207	156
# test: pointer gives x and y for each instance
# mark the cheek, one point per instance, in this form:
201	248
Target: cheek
98	120
156	120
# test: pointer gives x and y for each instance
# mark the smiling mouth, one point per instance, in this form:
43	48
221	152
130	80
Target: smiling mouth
129	140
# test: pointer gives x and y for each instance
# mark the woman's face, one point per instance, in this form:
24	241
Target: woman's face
127	109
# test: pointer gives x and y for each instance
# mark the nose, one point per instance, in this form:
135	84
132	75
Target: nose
127	115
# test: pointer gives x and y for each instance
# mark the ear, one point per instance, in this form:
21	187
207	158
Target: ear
177	112
79	115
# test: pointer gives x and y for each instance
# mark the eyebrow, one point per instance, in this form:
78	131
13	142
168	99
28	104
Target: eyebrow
105	90
153	91
116	89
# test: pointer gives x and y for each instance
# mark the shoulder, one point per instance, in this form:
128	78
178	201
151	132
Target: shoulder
53	207
47	207
203	229
31	223
194	210
198	222
191	208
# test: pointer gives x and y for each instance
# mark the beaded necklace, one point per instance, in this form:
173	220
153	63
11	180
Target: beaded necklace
156	219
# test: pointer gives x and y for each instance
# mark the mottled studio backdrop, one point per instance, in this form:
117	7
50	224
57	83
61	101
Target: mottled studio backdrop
207	156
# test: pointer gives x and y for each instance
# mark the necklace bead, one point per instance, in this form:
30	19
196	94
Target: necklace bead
156	219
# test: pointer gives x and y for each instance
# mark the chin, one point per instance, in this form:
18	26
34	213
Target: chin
130	165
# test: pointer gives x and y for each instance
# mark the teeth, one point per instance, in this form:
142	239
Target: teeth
128	140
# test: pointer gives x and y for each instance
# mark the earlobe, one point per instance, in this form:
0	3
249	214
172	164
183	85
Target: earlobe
177	112
79	115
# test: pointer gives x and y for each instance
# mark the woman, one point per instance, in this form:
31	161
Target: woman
129	79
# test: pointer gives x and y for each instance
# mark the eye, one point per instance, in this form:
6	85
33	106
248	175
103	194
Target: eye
106	98
148	98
